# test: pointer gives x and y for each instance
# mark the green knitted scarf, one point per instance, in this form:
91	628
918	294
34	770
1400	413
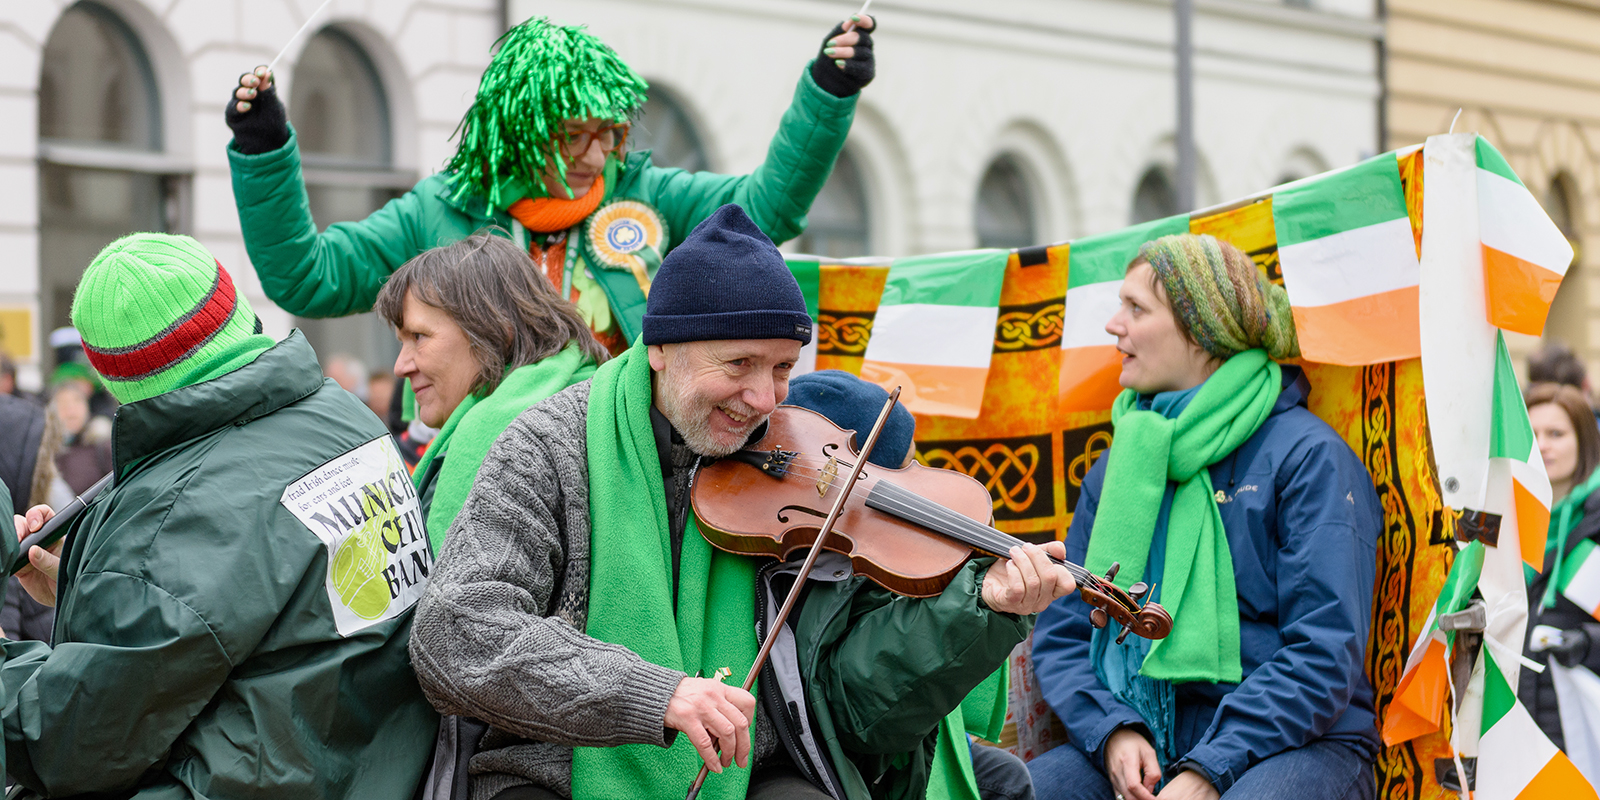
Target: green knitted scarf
630	589
1197	577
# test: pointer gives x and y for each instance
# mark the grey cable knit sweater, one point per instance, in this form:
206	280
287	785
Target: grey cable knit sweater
499	634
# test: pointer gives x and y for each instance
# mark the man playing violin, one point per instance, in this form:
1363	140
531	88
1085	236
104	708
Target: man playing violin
577	611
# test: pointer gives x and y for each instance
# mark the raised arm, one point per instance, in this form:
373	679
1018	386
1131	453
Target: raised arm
331	274
779	193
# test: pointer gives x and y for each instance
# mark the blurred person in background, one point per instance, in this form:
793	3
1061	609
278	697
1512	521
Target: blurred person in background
67	346
541	154
8	376
30	437
85	456
1557	363
380	392
1558	628
81	378
482	338
347	371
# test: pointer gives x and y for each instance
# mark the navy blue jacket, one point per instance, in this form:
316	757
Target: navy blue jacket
1302	520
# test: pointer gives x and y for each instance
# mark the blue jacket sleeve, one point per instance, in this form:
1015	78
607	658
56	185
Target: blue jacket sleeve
1327	527
1061	648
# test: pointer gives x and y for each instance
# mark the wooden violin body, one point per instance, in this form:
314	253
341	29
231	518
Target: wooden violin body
910	529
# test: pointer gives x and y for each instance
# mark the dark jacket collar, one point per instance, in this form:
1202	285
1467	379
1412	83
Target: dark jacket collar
1296	389
285	373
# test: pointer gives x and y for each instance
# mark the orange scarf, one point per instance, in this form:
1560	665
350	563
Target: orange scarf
550	214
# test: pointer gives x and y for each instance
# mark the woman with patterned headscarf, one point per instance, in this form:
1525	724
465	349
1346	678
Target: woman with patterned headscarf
542	154
1254	525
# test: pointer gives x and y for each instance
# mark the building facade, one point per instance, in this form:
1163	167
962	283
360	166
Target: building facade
1526	75
1012	123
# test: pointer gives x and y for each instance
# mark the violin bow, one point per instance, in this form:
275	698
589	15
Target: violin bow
811	560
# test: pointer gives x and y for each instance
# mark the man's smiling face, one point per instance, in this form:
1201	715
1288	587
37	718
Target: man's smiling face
717	393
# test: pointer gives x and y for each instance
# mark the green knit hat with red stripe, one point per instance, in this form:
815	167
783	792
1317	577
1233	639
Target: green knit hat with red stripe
158	312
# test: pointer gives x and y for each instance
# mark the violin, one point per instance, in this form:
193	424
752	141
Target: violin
772	498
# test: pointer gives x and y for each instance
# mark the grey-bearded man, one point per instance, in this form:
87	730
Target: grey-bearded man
577	611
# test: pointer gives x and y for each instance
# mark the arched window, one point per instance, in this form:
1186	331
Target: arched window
840	219
664	128
1568	320
1155	198
102	174
1004	213
340	113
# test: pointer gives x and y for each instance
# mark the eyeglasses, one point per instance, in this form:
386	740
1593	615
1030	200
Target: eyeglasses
611	139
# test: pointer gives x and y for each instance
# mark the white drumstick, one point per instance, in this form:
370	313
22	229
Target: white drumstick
848	26
303	28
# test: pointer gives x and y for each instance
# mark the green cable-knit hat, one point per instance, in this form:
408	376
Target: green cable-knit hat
543	75
1220	297
152	308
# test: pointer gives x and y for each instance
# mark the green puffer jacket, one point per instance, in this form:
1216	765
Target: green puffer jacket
204	648
340	271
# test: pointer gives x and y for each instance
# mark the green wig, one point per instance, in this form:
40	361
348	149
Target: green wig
543	75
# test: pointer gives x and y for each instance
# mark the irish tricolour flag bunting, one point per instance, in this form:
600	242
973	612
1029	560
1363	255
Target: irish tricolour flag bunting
1090	363
1514	458
1350	264
1579	580
1524	254
1419	701
934	330
1516	761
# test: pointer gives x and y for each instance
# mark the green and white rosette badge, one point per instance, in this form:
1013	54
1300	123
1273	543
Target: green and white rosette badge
626	235
365	510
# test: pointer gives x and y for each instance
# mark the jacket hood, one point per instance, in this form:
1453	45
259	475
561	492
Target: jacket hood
1296	389
282	375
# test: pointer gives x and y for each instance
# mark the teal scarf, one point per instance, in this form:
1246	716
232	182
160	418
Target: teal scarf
1147	451
474	426
630	589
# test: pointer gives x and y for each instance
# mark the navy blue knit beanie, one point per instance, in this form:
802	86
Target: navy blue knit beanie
725	281
853	404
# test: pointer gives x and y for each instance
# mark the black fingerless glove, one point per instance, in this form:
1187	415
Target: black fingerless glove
262	129
857	72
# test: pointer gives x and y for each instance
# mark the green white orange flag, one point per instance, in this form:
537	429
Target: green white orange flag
1524	254
1419	700
1579	580
1515	460
934	330
1516	761
1090	363
1350	264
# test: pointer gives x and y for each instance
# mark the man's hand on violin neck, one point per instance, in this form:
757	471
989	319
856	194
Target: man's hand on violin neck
1028	581
715	717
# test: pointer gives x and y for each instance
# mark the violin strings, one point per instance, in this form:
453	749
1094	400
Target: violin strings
993	541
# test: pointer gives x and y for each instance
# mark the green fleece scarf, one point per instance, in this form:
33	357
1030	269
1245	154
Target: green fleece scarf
630	589
477	422
1147	451
1564	516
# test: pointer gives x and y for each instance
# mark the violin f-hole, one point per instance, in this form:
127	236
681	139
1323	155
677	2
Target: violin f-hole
783	513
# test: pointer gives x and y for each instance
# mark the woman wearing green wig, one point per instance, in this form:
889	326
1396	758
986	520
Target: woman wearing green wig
541	154
1257	528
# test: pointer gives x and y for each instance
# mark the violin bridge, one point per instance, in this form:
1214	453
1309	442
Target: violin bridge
830	472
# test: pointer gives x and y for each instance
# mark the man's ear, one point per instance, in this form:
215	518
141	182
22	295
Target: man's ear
658	356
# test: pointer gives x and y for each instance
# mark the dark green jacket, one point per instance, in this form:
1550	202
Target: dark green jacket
339	271
197	653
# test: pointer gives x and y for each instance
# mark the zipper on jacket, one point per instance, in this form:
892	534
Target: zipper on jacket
783	721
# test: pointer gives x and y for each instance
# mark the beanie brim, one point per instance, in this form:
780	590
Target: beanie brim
755	324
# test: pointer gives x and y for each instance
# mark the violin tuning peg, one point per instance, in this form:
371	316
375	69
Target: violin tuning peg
1123	635
1099	618
1111	574
1138	591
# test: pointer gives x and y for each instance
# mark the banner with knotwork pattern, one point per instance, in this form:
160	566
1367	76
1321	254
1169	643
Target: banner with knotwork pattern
1032	448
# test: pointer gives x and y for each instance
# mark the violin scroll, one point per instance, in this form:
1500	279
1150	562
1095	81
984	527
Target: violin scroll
1148	620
